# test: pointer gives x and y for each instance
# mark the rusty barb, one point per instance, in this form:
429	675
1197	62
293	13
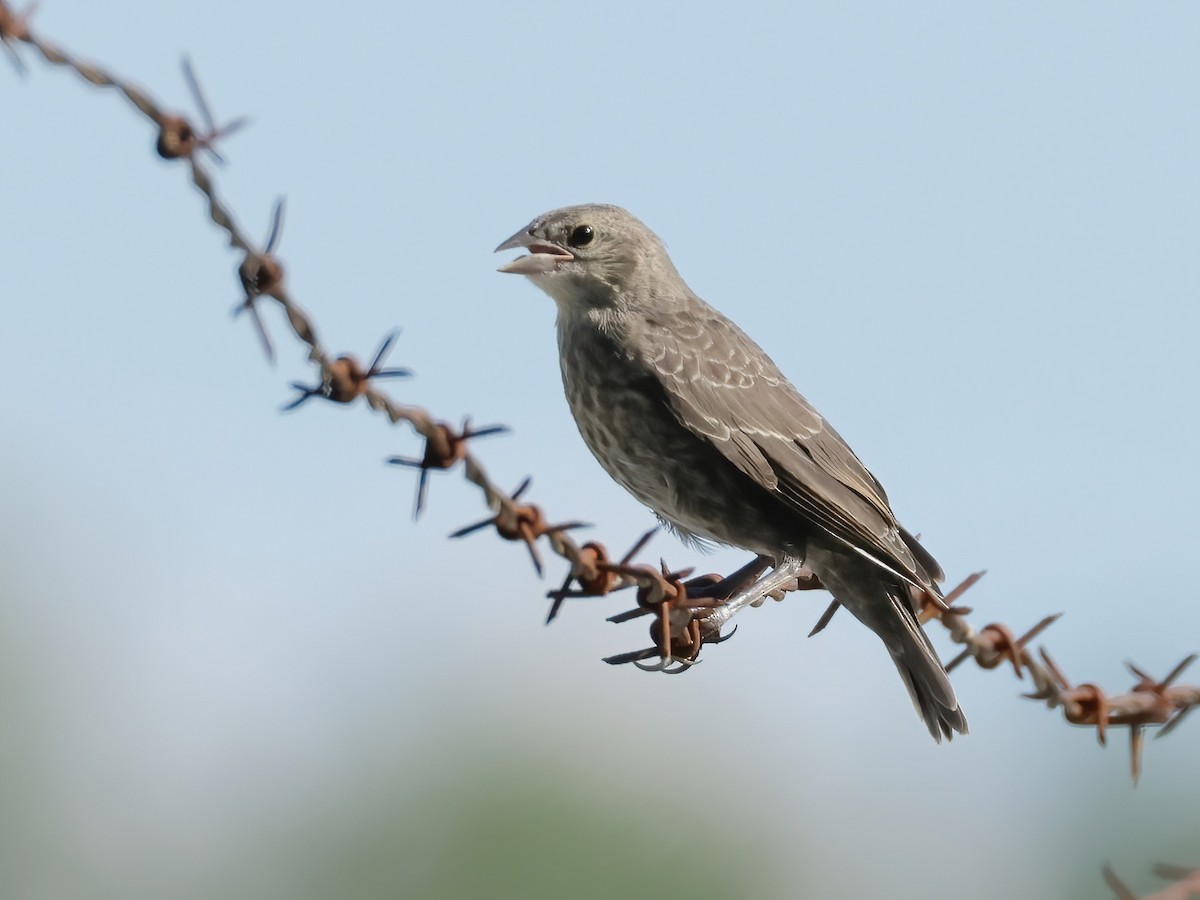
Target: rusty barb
261	275
1150	702
1185	883
178	138
594	575
522	522
14	28
686	612
444	449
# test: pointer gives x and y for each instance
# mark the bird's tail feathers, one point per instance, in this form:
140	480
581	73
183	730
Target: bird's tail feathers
922	672
884	603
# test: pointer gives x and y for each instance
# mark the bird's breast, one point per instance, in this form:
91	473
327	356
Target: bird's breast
626	420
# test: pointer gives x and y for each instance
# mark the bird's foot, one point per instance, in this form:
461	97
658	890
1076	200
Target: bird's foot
678	606
688	614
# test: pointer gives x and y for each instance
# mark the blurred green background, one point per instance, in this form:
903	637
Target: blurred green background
232	666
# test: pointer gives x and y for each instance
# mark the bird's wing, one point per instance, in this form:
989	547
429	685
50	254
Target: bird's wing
723	387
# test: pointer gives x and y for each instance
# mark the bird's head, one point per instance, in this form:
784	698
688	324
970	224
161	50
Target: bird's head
590	256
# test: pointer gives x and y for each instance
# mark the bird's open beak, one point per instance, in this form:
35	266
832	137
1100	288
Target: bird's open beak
543	257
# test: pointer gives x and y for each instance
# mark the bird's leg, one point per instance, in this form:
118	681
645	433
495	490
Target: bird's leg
722	589
789	569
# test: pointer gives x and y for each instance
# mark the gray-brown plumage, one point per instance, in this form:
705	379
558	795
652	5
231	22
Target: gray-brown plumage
696	421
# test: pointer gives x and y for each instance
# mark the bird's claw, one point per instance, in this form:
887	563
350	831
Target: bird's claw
721	638
664	665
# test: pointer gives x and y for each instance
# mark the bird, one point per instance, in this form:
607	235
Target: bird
687	413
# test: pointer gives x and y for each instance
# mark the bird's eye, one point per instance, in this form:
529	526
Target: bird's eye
581	236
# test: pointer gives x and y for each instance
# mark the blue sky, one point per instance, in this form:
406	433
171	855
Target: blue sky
966	233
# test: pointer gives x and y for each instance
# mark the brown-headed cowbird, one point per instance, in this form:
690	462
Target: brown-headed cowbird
688	414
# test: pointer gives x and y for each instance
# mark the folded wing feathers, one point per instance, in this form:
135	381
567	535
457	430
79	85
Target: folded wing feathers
722	388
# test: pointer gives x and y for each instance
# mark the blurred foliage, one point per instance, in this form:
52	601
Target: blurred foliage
487	821
499	831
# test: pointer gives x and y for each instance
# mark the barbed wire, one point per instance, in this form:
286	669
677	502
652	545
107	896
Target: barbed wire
1185	883
687	612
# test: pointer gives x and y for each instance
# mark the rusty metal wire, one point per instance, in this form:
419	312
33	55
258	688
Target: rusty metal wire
1150	702
686	612
262	275
1185	883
